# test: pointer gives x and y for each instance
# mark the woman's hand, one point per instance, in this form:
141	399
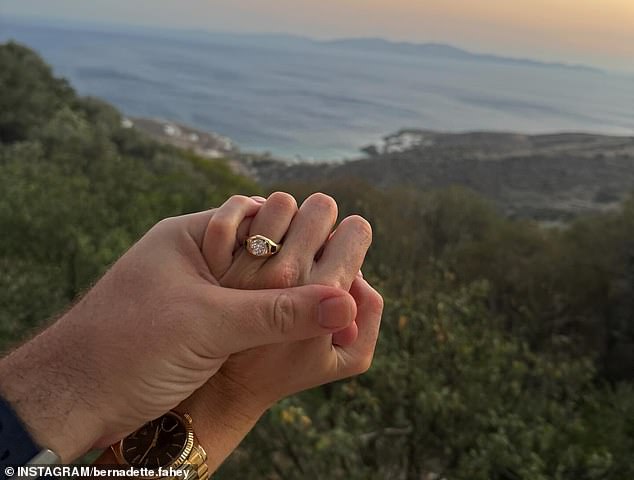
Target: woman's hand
250	381
307	233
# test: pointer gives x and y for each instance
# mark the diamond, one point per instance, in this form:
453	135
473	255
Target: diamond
258	247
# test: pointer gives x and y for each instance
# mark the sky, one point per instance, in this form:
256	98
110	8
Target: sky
594	32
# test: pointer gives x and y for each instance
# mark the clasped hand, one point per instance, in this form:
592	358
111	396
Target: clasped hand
188	319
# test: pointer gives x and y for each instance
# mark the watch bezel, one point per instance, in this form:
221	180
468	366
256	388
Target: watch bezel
186	420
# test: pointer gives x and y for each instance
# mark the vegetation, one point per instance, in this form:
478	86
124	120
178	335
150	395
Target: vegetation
77	189
506	352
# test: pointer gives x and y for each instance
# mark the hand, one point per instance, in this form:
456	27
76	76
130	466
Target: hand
307	233
310	229
155	328
227	407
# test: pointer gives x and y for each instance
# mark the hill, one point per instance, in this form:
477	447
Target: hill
550	177
77	188
443	50
547	177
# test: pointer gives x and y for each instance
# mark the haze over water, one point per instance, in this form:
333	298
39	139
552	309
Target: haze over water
293	96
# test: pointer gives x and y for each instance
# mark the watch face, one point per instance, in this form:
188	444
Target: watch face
157	443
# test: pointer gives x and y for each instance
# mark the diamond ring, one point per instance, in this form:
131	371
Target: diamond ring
261	246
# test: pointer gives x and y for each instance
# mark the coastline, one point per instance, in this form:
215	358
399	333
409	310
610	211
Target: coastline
551	178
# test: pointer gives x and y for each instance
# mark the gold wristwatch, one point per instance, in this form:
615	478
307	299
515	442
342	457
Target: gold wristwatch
166	443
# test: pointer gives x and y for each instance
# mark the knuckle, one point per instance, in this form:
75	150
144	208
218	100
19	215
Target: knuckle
340	280
239	199
288	274
363	364
283	317
165	228
165	223
283	201
219	226
376	303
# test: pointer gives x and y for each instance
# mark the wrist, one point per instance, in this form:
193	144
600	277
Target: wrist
45	383
223	414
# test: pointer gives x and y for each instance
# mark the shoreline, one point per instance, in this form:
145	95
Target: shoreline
550	177
212	145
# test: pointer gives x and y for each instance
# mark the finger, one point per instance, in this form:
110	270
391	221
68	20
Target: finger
357	357
344	253
243	232
245	225
309	231
222	230
274	216
321	249
245	319
347	336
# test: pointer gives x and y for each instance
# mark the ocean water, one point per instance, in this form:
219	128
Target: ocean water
295	97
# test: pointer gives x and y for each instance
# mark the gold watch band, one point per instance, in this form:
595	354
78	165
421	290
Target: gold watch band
196	464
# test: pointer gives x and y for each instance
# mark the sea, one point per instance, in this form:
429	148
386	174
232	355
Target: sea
304	99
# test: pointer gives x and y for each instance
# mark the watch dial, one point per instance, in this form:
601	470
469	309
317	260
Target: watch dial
156	444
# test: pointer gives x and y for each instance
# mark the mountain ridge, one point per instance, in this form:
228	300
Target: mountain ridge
429	48
448	50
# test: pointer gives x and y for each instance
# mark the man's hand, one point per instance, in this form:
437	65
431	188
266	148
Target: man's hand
156	327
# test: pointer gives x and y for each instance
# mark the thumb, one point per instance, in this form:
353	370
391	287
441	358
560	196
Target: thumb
251	318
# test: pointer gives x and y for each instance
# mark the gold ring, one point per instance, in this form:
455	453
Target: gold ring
261	246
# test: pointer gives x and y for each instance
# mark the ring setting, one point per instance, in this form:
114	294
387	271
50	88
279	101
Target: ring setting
261	246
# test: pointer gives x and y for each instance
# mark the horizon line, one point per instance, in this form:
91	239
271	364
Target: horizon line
126	26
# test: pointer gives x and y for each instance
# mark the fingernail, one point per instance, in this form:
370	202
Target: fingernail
258	199
334	313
